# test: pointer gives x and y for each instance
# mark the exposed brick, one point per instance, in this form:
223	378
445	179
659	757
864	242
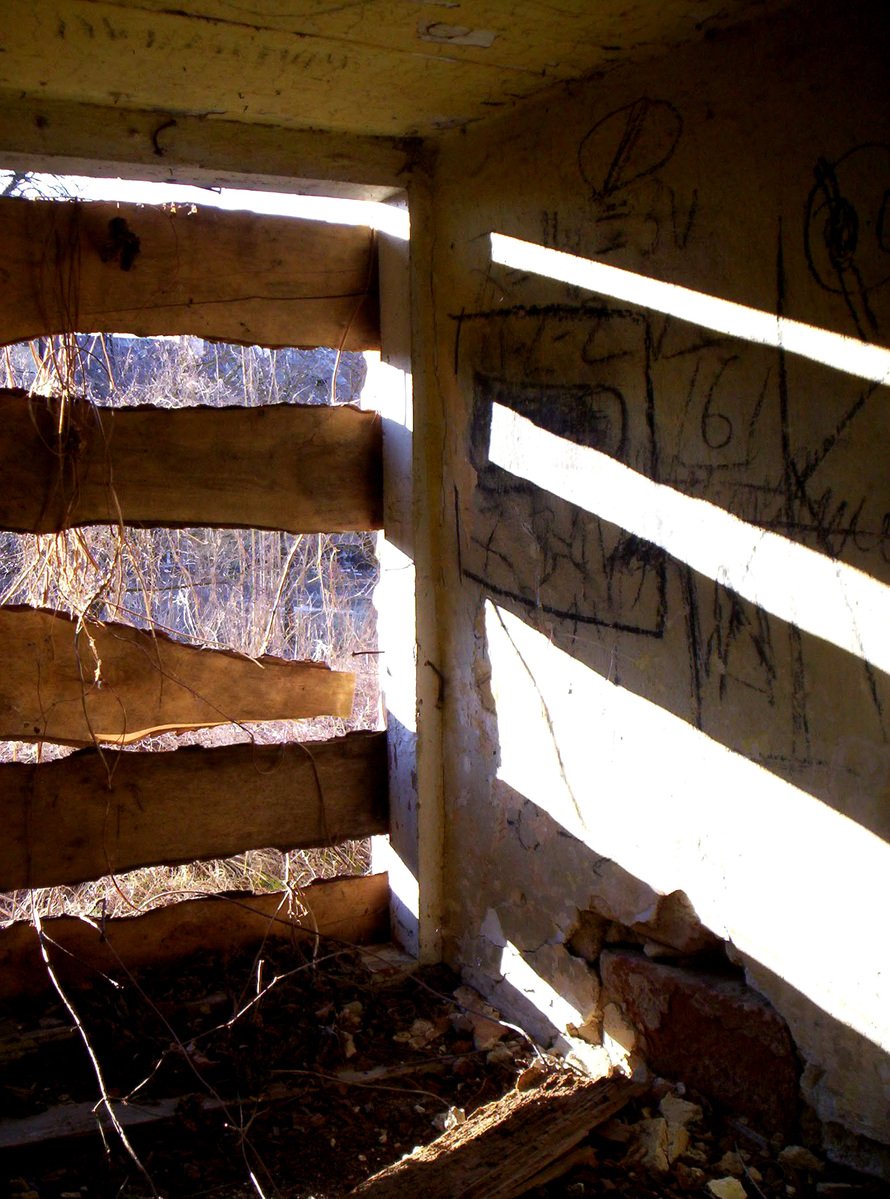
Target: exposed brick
709	1032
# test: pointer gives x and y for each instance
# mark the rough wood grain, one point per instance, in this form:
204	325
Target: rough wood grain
375	66
504	1145
299	468
354	910
275	281
39	134
91	814
108	682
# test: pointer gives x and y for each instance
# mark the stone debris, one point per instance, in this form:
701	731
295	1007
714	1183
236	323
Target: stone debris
690	1178
680	1111
732	1163
666	1146
796	1157
727	1188
478	1017
422	1033
650	1145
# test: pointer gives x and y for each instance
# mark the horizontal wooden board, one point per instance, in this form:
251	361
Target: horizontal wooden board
232	276
354	910
299	468
82	1119
64	822
38	134
80	683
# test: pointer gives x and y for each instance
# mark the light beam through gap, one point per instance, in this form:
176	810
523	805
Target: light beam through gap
819	595
846	354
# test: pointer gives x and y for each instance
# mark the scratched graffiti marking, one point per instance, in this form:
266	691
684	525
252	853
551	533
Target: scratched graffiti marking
847	230
620	159
540	551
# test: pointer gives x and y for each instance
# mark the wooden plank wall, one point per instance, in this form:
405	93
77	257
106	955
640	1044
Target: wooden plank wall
354	910
299	468
91	814
273	281
234	277
79	682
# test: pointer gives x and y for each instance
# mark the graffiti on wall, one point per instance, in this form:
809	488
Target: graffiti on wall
712	416
847	230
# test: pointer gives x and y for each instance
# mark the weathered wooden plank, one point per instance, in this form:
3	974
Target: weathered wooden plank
23	1042
299	468
505	1145
77	683
39	134
274	281
354	910
375	66
65	823
80	1119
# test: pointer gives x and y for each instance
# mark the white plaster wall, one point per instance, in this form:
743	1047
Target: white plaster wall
619	724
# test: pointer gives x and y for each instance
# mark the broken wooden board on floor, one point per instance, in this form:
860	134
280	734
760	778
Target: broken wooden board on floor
95	813
297	468
78	683
504	1147
353	910
81	1119
231	276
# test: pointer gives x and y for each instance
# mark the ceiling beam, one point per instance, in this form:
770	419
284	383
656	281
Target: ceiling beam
68	138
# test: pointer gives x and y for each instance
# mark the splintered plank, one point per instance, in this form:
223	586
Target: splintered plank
79	683
91	814
299	468
503	1147
353	910
231	276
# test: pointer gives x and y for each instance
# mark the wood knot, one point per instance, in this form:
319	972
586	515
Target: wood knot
122	245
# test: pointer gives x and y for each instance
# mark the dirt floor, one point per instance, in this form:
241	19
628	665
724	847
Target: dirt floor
297	1074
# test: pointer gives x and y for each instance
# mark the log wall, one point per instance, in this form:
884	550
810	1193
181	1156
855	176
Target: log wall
93	814
234	277
354	910
124	268
79	682
299	468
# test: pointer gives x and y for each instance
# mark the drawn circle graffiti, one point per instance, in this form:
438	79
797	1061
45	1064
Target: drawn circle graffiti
847	229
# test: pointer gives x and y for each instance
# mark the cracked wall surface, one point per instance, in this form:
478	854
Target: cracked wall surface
620	725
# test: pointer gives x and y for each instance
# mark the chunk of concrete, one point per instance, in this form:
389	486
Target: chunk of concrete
710	1032
676	925
680	1111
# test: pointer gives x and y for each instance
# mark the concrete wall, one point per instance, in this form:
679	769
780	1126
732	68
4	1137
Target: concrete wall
643	697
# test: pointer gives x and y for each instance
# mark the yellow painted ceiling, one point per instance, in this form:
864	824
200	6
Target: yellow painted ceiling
392	67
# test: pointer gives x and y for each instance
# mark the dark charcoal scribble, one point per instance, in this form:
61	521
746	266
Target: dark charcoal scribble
619	159
846	229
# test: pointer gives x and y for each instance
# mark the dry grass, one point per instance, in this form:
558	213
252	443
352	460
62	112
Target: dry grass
136	891
296	597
